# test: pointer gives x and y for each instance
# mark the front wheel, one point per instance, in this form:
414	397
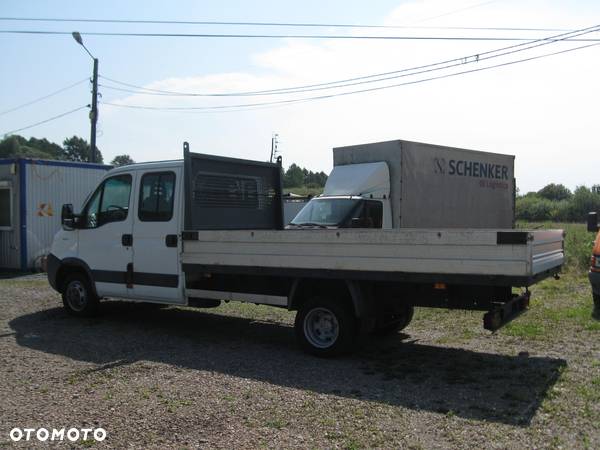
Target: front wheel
78	297
326	327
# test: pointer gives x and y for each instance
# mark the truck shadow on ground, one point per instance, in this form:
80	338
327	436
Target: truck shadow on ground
465	383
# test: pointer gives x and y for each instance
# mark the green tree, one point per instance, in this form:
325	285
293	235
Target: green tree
16	146
297	176
584	200
55	151
533	208
556	192
317	179
9	147
293	177
122	160
78	149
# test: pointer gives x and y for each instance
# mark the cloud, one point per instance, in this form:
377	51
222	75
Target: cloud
542	111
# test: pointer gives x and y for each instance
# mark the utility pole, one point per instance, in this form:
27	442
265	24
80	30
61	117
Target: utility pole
274	142
94	111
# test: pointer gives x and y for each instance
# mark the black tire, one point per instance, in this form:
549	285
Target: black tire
78	298
326	327
390	324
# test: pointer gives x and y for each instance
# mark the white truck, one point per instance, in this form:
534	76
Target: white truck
207	229
403	184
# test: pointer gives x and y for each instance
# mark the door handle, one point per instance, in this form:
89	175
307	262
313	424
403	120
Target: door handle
127	240
171	240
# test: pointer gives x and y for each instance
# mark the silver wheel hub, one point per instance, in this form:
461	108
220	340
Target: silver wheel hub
76	295
321	327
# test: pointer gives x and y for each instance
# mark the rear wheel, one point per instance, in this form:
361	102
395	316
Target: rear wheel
78	297
390	324
326	327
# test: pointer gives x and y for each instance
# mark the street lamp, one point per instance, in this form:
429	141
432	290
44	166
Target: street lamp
94	111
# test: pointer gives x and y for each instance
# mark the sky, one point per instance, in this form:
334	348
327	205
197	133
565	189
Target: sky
544	111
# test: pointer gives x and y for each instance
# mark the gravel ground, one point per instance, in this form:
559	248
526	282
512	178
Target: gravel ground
233	377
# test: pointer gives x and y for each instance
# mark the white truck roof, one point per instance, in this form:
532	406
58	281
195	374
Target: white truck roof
371	180
148	166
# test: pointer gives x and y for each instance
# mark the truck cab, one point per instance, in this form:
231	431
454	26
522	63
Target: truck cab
125	237
355	196
594	273
126	240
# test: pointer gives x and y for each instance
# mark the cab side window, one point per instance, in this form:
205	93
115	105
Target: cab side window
368	215
373	214
156	197
110	202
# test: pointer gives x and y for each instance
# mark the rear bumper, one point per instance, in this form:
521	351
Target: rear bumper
53	264
595	281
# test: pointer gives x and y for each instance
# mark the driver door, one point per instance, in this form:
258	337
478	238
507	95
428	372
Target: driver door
105	235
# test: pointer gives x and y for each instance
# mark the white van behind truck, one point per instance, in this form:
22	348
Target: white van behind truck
207	229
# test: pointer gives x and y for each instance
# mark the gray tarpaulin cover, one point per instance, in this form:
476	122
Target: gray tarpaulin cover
441	187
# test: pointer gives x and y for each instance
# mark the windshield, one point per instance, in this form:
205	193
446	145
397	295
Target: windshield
326	211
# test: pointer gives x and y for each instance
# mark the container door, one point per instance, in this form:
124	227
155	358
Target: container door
105	236
156	243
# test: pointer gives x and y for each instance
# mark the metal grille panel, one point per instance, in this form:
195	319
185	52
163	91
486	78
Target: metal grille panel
228	193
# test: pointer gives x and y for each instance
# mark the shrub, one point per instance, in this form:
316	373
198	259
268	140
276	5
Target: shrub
533	208
536	208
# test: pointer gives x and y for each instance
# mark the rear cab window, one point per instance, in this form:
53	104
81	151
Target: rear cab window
157	192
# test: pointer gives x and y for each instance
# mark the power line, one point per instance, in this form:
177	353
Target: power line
374	78
269	24
39	99
281	36
372	89
45	121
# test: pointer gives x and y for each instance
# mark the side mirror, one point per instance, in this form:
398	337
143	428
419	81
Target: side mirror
592	222
67	217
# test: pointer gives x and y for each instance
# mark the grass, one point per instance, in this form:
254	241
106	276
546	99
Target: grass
304	190
557	306
25	283
525	330
262	313
566	303
278	424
